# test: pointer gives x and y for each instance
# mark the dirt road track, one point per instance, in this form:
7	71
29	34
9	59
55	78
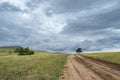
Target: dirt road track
82	68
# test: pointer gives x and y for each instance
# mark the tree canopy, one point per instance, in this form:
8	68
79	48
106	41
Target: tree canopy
78	50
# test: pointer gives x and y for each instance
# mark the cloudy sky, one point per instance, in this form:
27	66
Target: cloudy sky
61	25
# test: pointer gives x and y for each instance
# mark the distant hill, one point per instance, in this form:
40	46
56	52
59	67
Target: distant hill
12	47
8	48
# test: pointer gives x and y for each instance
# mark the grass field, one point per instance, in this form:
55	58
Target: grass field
107	56
40	66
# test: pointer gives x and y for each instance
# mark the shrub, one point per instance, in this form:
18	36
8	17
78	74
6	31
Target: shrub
24	51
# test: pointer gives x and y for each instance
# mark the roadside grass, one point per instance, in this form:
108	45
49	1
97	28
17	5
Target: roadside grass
40	66
107	56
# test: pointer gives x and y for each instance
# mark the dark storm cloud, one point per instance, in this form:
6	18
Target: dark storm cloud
8	7
98	23
71	5
111	42
64	6
4	35
8	33
110	19
33	4
48	12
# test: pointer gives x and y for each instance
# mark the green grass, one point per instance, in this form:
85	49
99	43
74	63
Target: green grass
107	56
40	66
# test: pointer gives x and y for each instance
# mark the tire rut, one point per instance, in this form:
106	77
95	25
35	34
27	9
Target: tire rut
76	70
110	69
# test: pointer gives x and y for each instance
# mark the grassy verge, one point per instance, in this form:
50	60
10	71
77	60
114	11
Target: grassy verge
40	66
111	57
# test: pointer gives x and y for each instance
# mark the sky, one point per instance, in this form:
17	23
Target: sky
61	25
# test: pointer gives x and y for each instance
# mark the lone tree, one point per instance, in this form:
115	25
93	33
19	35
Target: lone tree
79	50
24	51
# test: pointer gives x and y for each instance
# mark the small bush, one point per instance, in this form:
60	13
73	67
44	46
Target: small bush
24	51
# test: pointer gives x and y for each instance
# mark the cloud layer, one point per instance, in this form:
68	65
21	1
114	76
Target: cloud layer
60	25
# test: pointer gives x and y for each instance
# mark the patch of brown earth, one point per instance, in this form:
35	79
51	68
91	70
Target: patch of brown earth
82	68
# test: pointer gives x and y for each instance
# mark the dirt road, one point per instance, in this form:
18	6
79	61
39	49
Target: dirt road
82	68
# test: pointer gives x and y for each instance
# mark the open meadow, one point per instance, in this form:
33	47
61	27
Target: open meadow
40	66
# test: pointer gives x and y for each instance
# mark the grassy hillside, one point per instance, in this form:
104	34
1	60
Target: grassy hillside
7	49
107	56
40	66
